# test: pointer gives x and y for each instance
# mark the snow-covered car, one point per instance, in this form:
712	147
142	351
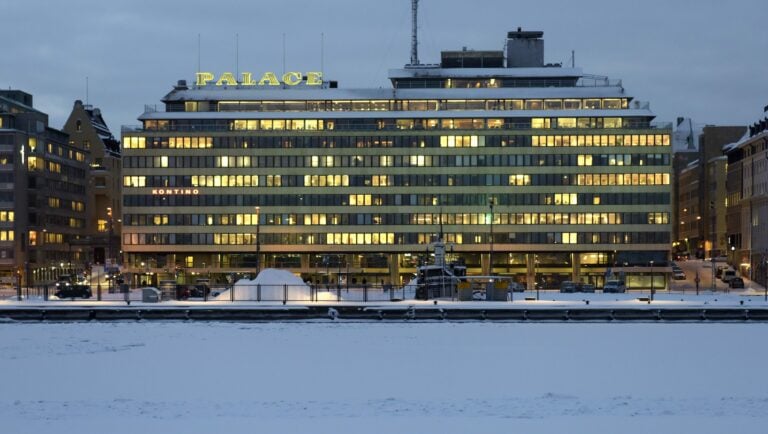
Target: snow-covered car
678	274
614	286
736	282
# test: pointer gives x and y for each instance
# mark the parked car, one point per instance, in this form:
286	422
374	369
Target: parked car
516	287
586	287
736	282
199	291
728	275
614	286
74	291
720	270
678	274
568	286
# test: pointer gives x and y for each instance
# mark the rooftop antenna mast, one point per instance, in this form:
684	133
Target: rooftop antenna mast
86	91
322	54
414	32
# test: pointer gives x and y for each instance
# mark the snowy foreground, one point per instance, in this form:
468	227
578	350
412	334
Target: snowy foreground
358	377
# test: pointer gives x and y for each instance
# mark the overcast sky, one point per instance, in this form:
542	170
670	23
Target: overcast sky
705	59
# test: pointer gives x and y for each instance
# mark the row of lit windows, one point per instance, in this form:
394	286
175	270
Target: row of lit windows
405	141
323	219
324	200
605	179
55	202
394	124
343	161
6	235
601	140
387	238
61	151
7	216
425	105
227	181
571	123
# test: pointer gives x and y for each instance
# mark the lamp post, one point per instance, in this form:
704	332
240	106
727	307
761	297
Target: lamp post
491	203
535	269
765	277
651	280
258	241
109	234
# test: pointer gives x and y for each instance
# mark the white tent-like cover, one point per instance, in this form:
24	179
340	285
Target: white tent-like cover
273	284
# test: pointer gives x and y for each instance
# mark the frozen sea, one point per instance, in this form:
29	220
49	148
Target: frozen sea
363	377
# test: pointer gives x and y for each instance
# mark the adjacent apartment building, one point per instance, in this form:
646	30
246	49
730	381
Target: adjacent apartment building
43	181
747	200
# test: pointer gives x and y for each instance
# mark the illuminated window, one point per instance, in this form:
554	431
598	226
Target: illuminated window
519	179
134	181
534	104
572	104
612	103
54	202
593	103
553	104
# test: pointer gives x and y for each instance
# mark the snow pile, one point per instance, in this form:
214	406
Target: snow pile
270	285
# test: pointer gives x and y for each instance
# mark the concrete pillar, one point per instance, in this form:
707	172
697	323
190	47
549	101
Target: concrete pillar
394	268
530	271
576	263
304	259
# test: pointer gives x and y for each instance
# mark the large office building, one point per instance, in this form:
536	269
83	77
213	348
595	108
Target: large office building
531	170
42	195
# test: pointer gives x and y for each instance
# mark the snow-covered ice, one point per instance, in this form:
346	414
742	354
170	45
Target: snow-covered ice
361	377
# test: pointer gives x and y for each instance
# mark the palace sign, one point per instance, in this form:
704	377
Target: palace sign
292	78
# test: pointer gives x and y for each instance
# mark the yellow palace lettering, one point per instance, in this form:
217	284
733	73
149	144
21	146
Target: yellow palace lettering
291	78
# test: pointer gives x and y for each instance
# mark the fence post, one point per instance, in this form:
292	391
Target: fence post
365	292
45	293
258	292
285	293
232	293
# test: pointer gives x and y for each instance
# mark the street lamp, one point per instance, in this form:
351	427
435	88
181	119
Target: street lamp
258	240
491	203
651	280
109	240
